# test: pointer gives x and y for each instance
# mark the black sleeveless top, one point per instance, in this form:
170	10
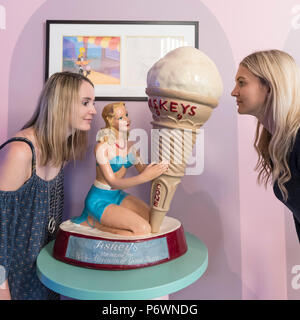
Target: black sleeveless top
293	185
24	219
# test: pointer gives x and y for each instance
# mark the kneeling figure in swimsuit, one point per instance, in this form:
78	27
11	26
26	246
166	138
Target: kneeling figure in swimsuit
107	207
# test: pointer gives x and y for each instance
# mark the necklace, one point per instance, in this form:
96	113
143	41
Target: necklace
51	225
52	222
122	148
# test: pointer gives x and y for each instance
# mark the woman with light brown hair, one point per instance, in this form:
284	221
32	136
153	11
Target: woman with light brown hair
107	207
31	180
268	87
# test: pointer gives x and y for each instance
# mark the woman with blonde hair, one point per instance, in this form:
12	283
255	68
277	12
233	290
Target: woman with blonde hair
268	87
107	207
31	180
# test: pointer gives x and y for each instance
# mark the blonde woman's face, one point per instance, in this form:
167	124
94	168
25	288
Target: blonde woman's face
250	93
121	121
85	108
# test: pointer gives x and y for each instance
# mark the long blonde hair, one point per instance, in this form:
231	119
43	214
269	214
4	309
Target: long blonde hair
279	72
51	119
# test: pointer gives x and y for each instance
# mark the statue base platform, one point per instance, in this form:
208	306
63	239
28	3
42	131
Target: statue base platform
91	248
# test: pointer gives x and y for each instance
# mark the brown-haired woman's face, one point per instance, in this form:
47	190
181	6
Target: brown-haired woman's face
249	92
85	109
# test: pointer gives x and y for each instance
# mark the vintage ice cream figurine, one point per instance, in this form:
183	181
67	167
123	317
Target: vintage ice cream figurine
183	88
113	231
107	206
117	230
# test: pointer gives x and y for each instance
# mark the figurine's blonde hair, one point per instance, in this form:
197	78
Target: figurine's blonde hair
51	120
108	114
279	72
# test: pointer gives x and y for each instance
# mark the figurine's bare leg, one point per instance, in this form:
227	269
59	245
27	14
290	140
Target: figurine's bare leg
115	216
101	227
137	205
120	220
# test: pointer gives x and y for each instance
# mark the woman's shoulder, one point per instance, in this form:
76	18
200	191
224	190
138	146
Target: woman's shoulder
27	133
18	149
15	165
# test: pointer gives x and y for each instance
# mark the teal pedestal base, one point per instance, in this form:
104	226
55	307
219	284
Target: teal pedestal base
146	283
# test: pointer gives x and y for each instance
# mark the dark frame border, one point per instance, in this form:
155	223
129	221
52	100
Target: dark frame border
49	22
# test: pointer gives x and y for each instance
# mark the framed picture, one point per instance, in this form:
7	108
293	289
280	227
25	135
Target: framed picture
114	55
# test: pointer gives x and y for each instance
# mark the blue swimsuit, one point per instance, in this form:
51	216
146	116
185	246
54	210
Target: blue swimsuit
98	199
117	162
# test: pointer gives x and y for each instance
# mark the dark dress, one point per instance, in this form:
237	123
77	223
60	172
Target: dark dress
293	185
24	219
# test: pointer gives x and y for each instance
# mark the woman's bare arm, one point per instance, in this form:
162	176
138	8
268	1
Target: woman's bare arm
15	165
15	170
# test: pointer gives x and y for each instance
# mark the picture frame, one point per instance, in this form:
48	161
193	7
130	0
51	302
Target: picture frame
114	55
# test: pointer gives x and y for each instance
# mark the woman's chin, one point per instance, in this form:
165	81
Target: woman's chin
241	111
86	127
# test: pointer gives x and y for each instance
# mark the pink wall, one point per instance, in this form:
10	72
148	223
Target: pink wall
270	247
250	237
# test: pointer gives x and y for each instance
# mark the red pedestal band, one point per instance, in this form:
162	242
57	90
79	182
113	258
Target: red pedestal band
99	252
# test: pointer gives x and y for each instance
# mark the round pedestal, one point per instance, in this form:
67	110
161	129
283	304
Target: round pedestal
136	284
87	247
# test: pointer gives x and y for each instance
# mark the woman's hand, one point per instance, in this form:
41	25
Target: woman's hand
153	171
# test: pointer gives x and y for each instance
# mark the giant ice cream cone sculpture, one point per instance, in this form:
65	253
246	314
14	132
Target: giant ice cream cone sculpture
183	88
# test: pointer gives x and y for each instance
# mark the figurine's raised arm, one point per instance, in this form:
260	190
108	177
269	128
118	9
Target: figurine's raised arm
147	172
